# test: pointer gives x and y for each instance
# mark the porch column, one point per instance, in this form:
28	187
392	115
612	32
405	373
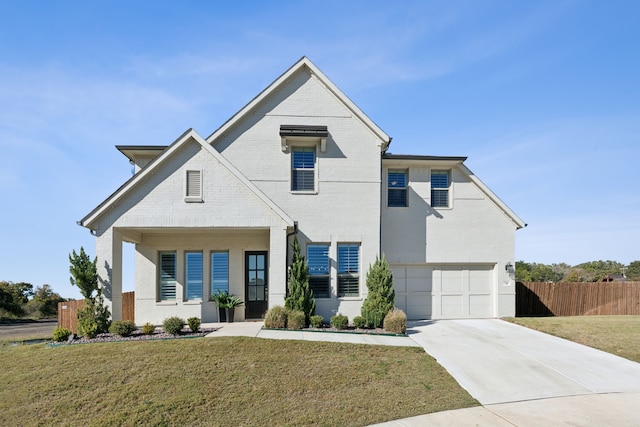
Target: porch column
277	265
109	266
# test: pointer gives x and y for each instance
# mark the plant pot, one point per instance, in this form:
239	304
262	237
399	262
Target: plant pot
230	312
222	314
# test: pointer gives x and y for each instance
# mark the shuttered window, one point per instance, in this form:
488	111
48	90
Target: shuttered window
303	169
194	185
439	189
167	276
193	275
219	272
318	262
397	188
348	270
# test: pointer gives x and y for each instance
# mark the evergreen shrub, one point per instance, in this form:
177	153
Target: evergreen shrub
173	325
339	321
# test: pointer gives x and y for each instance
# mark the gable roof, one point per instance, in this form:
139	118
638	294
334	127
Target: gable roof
186	137
519	223
303	63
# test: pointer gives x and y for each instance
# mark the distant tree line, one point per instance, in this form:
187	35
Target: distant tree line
21	300
593	271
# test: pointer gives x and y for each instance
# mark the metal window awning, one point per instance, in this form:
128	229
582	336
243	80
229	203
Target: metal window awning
304	131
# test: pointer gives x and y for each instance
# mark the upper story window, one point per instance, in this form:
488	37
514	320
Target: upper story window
440	182
318	262
303	172
348	269
397	188
193	187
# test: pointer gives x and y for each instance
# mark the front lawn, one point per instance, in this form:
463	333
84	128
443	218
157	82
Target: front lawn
221	381
619	335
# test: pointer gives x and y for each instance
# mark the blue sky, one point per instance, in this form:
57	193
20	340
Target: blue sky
543	97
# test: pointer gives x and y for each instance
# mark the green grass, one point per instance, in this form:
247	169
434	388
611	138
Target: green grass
619	335
221	381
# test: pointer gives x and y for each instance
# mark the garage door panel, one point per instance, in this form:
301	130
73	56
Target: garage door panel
452	306
419	306
480	280
480	306
451	281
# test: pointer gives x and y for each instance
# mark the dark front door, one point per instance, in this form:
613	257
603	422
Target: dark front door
256	284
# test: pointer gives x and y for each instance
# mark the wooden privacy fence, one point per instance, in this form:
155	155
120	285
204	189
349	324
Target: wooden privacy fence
68	311
577	299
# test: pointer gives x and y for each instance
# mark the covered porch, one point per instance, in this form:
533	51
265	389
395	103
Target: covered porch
178	269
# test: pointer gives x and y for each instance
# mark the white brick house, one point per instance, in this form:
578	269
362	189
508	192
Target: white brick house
301	159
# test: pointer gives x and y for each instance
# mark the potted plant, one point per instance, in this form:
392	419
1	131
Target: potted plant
232	302
221	298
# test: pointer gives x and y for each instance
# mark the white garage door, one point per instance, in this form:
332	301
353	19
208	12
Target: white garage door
445	292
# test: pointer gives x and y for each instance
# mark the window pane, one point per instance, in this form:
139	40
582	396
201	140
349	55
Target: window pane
397	179
397	198
302	180
348	258
318	259
320	286
348	286
439	198
167	276
219	272
304	158
439	179
193	275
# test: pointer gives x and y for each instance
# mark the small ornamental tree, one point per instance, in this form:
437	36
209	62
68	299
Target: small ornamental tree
381	295
93	319
300	294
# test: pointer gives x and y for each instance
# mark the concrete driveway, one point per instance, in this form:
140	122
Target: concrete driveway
527	378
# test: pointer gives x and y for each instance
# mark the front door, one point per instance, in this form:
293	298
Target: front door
256	284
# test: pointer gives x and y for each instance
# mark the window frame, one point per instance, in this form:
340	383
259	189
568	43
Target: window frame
160	285
322	280
404	189
304	148
213	289
349	275
199	282
446	190
189	197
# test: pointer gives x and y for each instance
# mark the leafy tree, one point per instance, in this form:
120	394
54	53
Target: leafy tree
94	317
300	296
594	271
381	295
14	296
535	272
633	271
44	302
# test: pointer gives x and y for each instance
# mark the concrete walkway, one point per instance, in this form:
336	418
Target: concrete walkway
520	376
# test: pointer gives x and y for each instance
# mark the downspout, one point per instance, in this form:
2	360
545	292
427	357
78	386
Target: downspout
381	197
286	267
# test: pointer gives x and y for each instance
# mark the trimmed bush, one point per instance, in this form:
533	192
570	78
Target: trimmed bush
148	329
295	319
316	321
194	323
60	334
276	318
396	322
300	294
173	325
124	328
339	321
359	322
